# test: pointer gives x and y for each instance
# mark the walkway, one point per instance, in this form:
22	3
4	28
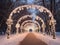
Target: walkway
31	39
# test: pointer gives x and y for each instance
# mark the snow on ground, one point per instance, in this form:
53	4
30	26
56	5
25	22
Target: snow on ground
15	39
49	39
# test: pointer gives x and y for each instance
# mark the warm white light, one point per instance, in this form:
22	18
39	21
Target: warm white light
31	26
17	25
18	11
14	11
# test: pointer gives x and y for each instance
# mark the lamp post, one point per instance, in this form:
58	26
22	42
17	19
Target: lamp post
9	23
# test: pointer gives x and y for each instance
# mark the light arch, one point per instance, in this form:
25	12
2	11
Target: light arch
37	18
35	22
40	8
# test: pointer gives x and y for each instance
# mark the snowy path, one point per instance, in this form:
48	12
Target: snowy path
31	39
15	39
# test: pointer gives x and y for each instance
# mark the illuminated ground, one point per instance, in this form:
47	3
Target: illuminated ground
20	38
31	39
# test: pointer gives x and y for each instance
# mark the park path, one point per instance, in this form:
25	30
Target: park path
31	39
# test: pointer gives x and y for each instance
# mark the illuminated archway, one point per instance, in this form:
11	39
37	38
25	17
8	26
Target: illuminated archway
35	22
32	26
24	17
40	8
37	18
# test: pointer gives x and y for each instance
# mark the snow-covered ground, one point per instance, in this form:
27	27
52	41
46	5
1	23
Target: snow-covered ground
49	39
15	39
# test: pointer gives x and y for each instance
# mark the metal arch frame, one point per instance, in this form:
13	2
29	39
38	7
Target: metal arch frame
29	21
29	24
36	28
40	8
37	18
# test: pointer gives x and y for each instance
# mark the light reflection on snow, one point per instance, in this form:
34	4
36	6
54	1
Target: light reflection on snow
14	39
